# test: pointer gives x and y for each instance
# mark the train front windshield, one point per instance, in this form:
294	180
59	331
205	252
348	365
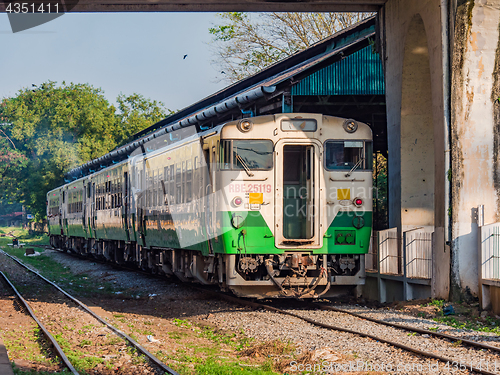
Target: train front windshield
254	154
347	154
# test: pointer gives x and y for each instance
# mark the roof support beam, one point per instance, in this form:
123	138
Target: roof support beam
221	5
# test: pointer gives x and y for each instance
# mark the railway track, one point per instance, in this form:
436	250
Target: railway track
66	320
448	341
314	313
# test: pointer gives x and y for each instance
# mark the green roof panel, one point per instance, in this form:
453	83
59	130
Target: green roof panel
357	74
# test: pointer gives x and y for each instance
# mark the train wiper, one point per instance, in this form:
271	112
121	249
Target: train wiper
355	167
244	165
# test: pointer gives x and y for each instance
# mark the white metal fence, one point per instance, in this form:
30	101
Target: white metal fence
414	260
490	251
389	259
418	253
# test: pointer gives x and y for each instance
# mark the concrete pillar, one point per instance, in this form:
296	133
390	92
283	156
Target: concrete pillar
417	131
414	33
475	134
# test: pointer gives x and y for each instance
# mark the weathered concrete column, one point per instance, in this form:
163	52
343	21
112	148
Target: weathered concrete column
417	131
475	135
415	82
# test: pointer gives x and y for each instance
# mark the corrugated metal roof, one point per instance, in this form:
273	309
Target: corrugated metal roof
358	74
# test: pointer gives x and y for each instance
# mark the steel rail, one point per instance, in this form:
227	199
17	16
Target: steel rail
413	329
47	334
120	333
256	305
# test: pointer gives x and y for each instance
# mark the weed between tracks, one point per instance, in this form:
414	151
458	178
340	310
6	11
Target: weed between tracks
466	317
209	351
51	269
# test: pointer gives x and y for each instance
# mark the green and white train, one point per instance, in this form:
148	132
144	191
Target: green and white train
268	206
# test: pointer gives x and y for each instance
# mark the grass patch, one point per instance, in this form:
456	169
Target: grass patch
217	367
183	323
30	345
80	284
23	236
436	303
492	325
76	357
217	336
177	335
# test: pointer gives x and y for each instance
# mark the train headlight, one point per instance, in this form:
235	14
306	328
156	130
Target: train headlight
350	126
357	202
237	201
245	126
237	221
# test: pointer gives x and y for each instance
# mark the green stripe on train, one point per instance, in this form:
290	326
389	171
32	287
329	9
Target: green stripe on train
255	237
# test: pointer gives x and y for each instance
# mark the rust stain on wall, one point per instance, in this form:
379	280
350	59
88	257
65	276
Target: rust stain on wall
495	94
480	67
470	101
463	24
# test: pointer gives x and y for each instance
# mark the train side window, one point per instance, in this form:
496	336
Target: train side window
178	184
217	156
155	189
225	152
368	155
183	182
346	154
189	182
171	189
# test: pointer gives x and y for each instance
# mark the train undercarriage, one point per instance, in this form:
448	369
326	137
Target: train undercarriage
293	274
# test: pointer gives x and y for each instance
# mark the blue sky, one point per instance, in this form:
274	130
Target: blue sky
118	52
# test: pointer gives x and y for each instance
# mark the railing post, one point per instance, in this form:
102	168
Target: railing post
405	282
480	224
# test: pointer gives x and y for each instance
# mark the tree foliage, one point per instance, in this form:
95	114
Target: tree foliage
48	130
380	193
137	113
247	42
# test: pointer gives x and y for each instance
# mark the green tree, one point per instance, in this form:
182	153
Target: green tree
380	193
248	42
50	129
137	113
12	162
55	128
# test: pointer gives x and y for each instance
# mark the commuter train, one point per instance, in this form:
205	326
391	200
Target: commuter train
268	206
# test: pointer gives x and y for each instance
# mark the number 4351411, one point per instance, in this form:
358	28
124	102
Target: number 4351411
32	8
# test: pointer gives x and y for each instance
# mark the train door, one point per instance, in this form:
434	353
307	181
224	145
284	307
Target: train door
61	211
297	194
126	205
92	214
84	209
209	214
